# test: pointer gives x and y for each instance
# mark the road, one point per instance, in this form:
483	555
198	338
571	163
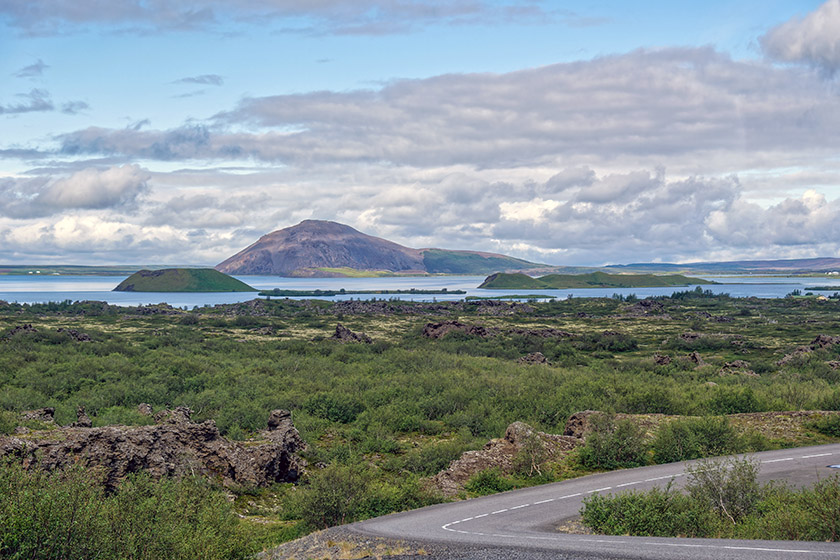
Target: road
524	520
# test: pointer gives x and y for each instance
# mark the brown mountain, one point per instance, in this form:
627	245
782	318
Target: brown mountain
312	245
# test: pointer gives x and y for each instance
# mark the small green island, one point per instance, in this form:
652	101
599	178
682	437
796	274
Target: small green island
519	281
277	292
182	280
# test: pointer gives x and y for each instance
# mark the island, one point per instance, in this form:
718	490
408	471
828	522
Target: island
276	292
182	280
518	281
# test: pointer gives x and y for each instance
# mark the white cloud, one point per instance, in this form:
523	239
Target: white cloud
813	40
95	188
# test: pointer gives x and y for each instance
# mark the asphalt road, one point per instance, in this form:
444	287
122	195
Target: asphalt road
524	520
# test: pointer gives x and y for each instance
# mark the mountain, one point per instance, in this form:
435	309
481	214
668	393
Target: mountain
781	266
182	280
322	248
591	280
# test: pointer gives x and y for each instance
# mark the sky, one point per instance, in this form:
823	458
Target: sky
587	133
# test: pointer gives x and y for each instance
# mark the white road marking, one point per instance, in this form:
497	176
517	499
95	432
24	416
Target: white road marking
600	489
544	501
628	484
520	507
498	511
817	455
778	460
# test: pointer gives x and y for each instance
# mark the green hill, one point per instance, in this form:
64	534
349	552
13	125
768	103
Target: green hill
440	261
182	280
593	280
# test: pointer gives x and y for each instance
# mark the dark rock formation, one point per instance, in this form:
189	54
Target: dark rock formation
145	409
737	367
82	419
177	446
661	360
343	334
824	341
178	415
501	454
439	330
46	414
20	329
533	358
694	357
78	336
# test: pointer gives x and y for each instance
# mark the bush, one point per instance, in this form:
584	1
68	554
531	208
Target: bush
612	444
692	438
729	487
828	425
657	513
66	514
488	481
336	408
335	495
8	421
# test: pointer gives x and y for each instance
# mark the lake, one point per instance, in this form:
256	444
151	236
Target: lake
43	288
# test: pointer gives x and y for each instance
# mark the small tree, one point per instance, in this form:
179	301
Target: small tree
729	486
612	444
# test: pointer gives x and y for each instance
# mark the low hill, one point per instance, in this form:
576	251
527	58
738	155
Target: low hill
592	280
182	280
316	248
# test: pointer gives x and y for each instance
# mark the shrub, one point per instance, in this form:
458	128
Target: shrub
489	481
66	514
8	421
657	513
692	438
335	495
337	408
612	444
828	425
729	487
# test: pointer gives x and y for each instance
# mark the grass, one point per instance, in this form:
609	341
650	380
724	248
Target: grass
387	414
182	280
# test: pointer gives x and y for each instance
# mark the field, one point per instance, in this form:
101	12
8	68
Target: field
384	416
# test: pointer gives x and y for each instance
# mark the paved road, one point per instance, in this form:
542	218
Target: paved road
524	520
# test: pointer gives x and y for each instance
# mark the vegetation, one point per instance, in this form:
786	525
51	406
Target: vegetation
182	280
383	416
66	514
277	292
519	281
723	500
439	261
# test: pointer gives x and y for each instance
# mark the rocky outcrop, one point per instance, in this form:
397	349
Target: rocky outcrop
174	446
501	454
77	336
439	330
533	358
343	334
737	367
695	358
46	414
20	329
822	341
82	419
661	359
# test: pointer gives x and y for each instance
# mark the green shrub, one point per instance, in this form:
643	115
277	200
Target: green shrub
692	438
828	425
336	408
8	421
489	481
656	513
728	487
66	514
335	495
612	444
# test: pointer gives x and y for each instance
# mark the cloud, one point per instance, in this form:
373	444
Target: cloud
35	101
675	107
92	188
344	17
813	40
32	71
204	79
74	107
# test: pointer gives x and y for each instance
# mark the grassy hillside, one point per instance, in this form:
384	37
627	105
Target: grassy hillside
182	280
439	261
592	280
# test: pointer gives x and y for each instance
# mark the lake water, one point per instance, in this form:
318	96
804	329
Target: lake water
42	288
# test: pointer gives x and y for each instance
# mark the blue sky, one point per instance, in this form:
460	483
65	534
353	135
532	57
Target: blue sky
147	131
